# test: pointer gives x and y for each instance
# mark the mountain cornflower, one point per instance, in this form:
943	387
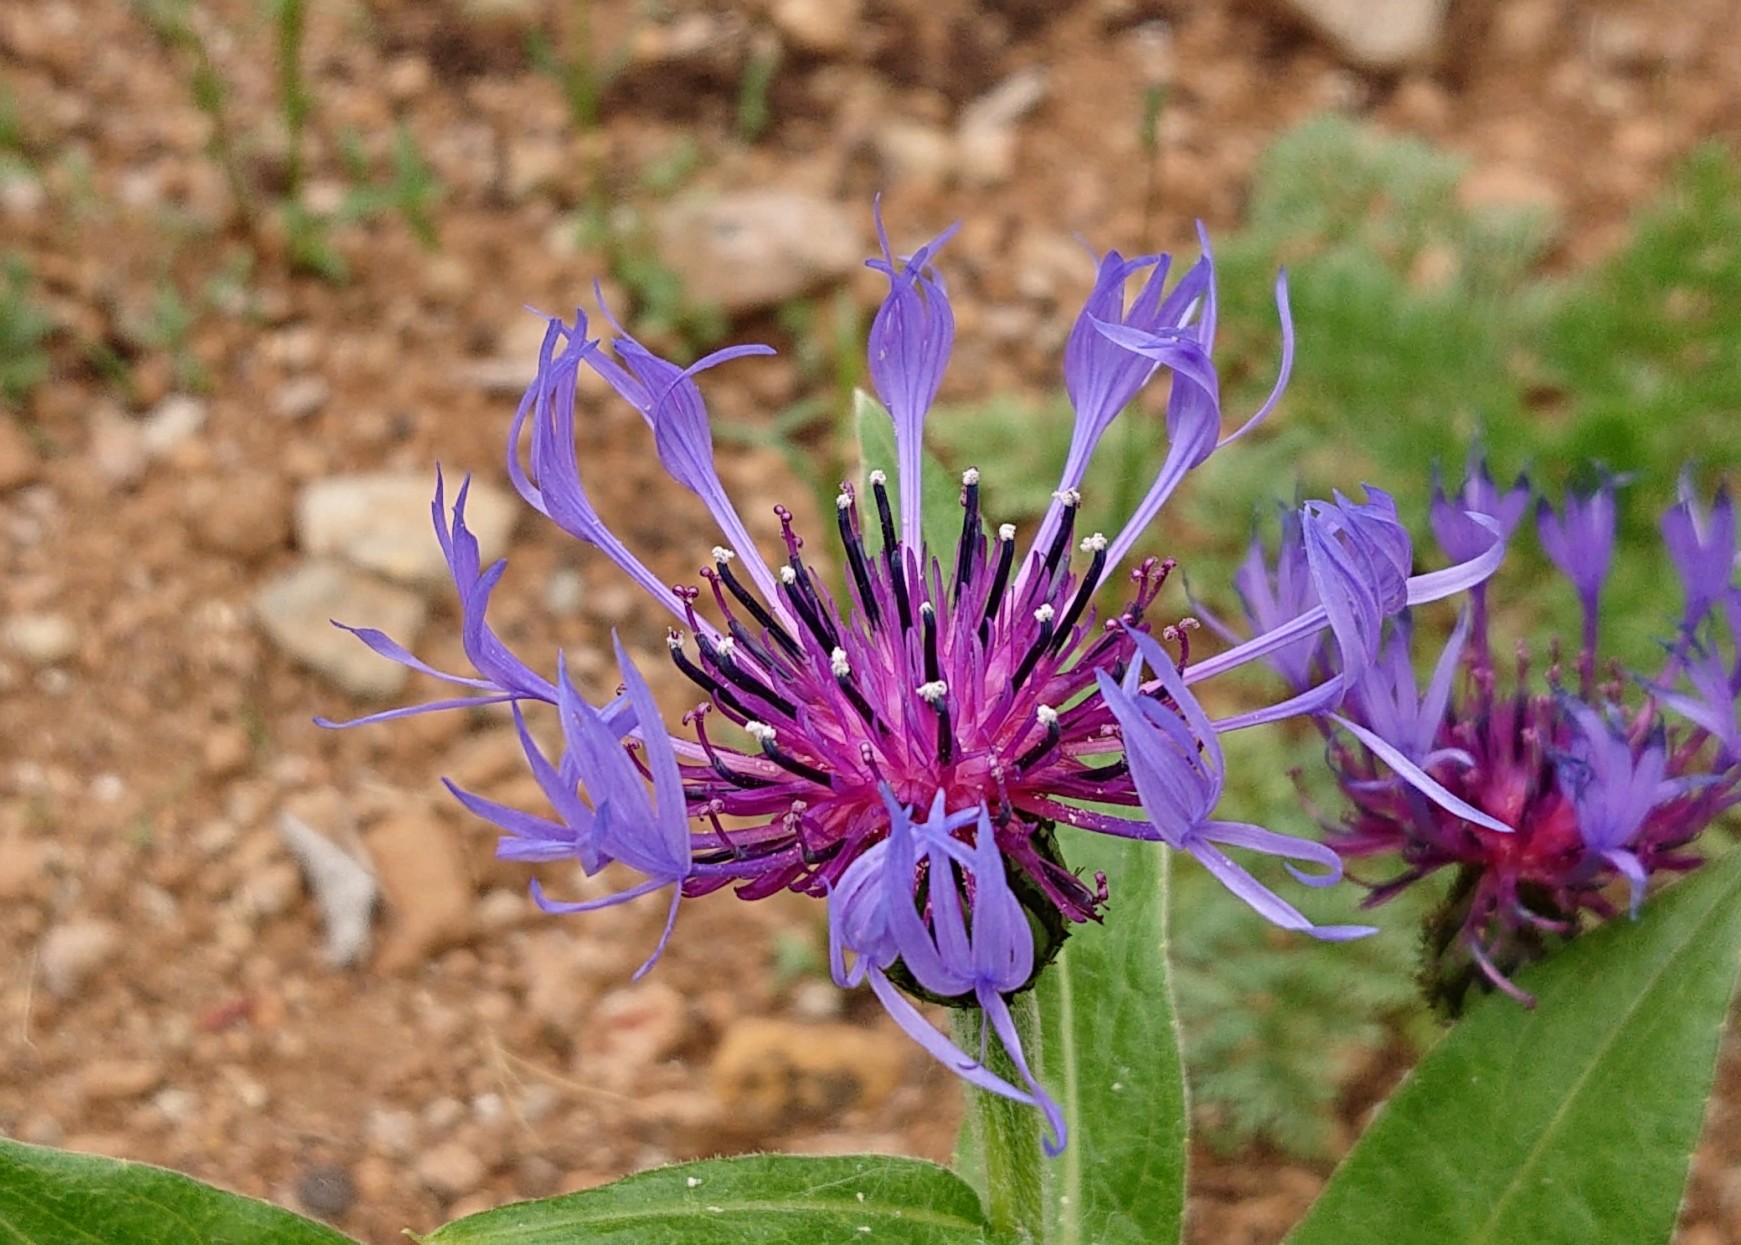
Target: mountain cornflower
1551	800
905	743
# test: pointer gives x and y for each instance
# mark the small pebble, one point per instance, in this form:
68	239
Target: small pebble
301	397
42	639
71	952
450	1170
327	1190
172	421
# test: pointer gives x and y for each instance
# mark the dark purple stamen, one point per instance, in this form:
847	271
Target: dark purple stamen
892	551
970	533
1084	591
845	517
1006	556
721	660
757	610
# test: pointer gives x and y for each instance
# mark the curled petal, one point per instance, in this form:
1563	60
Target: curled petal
1453	527
1359	557
1702	546
1419	779
1265	902
965	1066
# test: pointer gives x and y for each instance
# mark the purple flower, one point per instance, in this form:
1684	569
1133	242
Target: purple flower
1458	535
1275	596
1539	798
936	713
1701	544
1580	542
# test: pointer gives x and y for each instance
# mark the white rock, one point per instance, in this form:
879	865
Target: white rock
986	138
390	1132
117	447
69	953
821	26
450	1170
297	609
1376	34
381	522
41	639
564	592
300	397
914	151
172	421
342	885
758	248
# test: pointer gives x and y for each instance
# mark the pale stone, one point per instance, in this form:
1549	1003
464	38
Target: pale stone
825	27
450	1170
71	952
758	248
41	639
382	522
297	610
342	885
1376	34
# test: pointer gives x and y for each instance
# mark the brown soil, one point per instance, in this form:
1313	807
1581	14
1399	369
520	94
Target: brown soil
486	1052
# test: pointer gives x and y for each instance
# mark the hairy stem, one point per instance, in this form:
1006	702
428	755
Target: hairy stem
1006	1134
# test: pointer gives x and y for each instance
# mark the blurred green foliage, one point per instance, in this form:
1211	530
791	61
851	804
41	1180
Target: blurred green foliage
24	332
263	188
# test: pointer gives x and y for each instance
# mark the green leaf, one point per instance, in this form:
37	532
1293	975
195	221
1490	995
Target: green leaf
1573	1122
768	1199
941	492
55	1197
1111	1054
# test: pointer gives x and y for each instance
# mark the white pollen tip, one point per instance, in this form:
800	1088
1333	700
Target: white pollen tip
1006	531
673	639
1046	715
722	554
1045	614
1069	496
1095	543
931	693
838	663
843	501
788	575
727	646
761	732
879	477
970	476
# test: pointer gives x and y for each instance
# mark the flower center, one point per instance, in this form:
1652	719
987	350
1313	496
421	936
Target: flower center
979	683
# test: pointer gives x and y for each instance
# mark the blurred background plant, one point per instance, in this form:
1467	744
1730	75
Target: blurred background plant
24	332
270	187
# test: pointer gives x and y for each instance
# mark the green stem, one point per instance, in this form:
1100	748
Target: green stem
1006	1133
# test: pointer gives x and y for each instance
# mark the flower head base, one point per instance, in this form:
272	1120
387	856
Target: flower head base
906	742
1544	800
